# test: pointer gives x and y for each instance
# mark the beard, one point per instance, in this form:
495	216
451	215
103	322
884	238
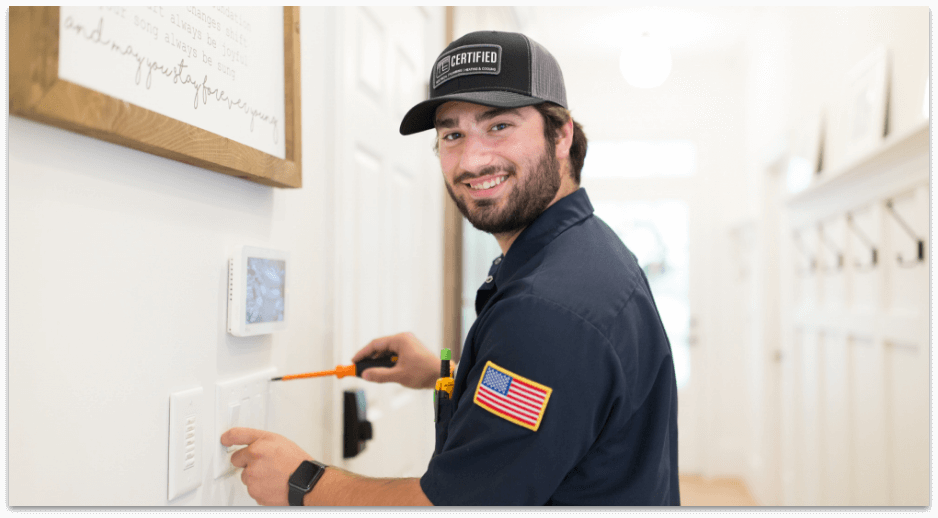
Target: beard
524	204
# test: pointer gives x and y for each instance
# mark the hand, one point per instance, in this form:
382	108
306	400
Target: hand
416	366
268	462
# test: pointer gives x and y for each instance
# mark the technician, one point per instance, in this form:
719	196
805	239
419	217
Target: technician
565	392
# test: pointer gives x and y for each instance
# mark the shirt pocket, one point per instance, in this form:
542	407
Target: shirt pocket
442	423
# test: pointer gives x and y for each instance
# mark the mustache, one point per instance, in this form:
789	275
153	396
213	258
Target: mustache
465	177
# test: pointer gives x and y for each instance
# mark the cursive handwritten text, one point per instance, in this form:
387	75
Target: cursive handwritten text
203	92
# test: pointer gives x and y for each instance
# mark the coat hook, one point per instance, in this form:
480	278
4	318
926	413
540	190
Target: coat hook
860	266
840	255
804	271
908	229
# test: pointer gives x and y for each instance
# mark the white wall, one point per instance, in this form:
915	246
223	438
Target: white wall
117	290
800	62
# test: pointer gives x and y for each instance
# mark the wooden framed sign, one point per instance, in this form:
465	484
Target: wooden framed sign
215	87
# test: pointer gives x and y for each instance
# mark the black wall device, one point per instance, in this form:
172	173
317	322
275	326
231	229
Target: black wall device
357	428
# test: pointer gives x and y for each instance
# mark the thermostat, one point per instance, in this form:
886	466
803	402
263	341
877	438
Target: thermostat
257	291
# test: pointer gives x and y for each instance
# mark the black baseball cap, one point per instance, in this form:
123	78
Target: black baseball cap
491	68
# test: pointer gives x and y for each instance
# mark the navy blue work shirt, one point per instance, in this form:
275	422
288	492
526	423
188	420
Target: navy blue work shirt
567	314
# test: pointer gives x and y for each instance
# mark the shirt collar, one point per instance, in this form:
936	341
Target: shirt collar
568	211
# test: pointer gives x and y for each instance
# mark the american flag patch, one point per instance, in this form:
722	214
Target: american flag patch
512	397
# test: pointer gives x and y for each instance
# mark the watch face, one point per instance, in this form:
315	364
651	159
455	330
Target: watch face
304	474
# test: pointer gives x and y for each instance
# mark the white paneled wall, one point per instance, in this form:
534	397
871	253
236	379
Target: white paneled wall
856	336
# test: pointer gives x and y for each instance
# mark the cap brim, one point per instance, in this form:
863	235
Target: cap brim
420	117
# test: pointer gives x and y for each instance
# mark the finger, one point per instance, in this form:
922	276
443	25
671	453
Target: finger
381	374
241	436
364	352
378	345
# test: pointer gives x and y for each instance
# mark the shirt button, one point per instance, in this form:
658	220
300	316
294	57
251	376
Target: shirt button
498	260
489	279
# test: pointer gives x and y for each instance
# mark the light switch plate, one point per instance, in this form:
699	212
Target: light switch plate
244	400
185	446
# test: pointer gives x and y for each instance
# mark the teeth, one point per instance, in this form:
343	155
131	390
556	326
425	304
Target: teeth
488	184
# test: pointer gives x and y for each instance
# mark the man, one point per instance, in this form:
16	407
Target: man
565	393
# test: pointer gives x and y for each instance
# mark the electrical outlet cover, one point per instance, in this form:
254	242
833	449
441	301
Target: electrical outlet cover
244	400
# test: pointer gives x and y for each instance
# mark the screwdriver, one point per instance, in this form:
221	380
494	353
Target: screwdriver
341	371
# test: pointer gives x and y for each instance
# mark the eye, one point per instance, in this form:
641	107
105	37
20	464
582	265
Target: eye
500	126
452	136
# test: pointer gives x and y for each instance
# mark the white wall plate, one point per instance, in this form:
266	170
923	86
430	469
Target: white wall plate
241	402
185	447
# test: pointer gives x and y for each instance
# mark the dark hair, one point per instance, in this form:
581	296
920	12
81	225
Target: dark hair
555	117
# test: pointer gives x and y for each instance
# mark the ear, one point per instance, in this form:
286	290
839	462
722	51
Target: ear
564	141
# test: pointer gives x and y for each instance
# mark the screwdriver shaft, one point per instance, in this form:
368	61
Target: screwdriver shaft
309	375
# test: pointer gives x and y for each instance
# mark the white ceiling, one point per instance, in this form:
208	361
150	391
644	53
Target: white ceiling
601	30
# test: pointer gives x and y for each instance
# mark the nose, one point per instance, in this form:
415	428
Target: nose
477	154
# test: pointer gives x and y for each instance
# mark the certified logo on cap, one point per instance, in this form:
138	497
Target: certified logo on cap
468	60
490	68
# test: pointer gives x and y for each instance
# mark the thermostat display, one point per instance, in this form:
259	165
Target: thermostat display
266	282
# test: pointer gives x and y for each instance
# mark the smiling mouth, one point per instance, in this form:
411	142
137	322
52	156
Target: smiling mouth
481	185
488	189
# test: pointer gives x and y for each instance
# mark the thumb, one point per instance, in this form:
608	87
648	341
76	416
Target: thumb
241	436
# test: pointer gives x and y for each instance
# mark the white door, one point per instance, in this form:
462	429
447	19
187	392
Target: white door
388	221
663	219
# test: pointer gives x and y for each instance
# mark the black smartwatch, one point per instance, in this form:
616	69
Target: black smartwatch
303	479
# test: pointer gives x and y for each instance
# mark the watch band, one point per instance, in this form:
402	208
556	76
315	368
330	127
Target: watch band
303	480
